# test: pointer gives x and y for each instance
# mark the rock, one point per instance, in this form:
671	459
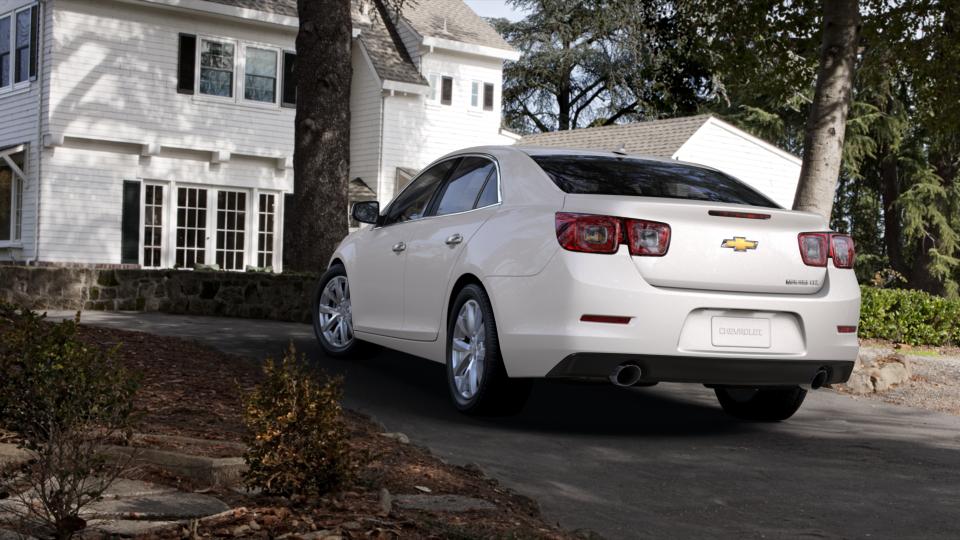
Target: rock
315	535
860	383
165	506
423	489
386	502
399	437
444	503
890	375
241	530
129	527
352	525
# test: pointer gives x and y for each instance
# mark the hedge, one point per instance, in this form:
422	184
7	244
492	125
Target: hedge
907	316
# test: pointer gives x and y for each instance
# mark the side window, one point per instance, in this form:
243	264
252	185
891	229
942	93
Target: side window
491	191
460	193
412	202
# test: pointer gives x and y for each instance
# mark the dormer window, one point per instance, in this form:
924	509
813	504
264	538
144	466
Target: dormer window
216	68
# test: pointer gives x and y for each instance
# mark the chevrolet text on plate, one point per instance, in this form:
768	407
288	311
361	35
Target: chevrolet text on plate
514	263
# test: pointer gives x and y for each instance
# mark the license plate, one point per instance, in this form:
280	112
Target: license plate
740	332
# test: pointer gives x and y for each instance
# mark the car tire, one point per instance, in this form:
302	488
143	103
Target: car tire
329	338
760	404
491	392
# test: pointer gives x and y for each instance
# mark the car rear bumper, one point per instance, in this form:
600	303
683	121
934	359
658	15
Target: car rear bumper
693	369
539	326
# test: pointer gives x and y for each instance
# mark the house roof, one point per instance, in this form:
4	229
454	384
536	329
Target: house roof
451	19
358	190
658	138
388	55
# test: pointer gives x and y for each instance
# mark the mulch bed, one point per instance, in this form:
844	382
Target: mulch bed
190	390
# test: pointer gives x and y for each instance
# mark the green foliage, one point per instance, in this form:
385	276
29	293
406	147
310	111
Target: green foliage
909	316
64	400
299	439
51	382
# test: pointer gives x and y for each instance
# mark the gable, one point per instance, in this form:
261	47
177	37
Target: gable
453	20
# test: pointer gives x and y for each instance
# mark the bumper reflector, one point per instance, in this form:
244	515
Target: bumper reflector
611	319
847	329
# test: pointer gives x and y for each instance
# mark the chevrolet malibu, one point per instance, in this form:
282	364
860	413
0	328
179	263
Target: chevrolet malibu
508	264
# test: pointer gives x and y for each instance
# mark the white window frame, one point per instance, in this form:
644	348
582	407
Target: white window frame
476	95
168	252
274	247
278	74
434	80
19	179
12	15
164	221
198	68
239	72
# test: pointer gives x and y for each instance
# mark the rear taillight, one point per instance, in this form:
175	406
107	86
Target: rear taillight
590	233
816	248
647	238
842	251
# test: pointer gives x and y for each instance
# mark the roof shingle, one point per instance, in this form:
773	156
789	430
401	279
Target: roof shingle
451	19
657	138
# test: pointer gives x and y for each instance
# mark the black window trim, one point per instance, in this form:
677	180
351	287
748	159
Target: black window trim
434	199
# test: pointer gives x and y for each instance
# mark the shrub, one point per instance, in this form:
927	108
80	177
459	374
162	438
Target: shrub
64	400
909	316
298	443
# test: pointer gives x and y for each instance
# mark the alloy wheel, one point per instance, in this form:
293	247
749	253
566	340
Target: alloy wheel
468	349
334	313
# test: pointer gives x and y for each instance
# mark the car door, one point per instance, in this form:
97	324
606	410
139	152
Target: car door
467	199
377	281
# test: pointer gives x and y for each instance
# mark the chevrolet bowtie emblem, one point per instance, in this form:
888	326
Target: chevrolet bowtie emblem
739	243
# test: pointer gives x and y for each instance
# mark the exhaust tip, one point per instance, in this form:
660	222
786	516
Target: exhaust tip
820	378
626	375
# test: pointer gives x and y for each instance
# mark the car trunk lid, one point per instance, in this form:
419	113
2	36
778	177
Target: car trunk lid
713	249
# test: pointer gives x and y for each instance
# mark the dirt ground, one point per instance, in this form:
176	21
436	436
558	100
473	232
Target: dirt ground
189	390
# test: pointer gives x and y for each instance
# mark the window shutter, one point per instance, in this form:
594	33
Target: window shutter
487	97
289	98
446	91
186	66
34	40
130	224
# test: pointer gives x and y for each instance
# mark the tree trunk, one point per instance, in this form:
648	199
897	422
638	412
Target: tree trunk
316	215
889	195
823	141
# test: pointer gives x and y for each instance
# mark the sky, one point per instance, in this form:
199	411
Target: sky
494	8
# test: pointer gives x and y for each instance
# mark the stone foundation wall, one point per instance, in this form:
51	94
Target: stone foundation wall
283	297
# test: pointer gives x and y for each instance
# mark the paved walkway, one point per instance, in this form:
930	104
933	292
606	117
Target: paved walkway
653	462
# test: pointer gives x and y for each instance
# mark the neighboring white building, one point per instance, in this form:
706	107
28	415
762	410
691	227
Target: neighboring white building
159	133
703	139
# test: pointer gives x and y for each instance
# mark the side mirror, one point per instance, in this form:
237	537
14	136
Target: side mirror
366	211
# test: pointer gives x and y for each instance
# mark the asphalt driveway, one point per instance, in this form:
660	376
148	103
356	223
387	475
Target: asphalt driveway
654	462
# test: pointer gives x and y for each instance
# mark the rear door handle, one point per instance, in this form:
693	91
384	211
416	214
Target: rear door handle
399	247
454	239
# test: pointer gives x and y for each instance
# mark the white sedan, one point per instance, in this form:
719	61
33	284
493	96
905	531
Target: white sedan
514	263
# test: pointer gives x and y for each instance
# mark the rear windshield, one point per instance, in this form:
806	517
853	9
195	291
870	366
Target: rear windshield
601	175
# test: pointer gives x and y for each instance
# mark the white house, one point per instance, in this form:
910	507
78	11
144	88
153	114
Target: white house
703	139
159	133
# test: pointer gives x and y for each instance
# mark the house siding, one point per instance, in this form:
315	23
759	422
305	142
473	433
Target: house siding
20	115
365	120
418	131
114	89
769	171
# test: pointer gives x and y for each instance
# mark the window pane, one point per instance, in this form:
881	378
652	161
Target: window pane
412	202
475	94
22	67
596	175
490	194
488	97
216	68
230	228
5	51
260	83
464	186
434	82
